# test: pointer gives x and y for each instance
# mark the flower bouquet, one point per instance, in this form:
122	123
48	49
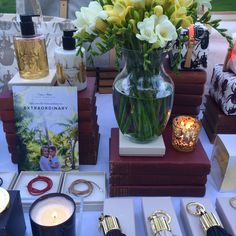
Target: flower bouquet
142	31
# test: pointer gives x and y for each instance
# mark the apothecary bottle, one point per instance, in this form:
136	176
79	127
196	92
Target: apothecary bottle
31	53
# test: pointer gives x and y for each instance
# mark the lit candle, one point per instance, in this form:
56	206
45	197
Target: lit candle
185	133
53	213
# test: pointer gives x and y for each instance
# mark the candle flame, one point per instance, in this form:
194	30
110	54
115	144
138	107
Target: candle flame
189	124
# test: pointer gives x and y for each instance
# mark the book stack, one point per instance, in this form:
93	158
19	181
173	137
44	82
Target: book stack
105	79
88	127
174	174
189	89
215	121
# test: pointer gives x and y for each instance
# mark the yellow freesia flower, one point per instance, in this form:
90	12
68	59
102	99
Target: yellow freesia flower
183	3
180	14
117	12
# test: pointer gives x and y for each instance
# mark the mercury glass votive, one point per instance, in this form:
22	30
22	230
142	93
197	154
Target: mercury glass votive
185	132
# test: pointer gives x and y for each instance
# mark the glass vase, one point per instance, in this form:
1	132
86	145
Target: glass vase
142	96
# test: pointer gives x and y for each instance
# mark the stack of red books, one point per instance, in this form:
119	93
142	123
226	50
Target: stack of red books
215	121
189	89
174	174
88	127
105	79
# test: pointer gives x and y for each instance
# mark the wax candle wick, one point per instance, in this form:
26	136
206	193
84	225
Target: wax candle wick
54	216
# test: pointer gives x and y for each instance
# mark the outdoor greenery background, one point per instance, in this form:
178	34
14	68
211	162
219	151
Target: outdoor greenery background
8	6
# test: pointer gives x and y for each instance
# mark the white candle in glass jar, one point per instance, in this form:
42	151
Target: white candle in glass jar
52	211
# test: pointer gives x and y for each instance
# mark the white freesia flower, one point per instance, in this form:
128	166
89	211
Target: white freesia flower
87	16
157	29
165	31
206	3
147	29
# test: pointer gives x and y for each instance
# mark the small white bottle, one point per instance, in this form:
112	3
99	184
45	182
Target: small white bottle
70	68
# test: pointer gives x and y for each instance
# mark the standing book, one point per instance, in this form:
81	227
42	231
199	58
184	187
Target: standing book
47	128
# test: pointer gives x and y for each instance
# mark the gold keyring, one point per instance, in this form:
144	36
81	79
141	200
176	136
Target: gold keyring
161	213
198	208
232	202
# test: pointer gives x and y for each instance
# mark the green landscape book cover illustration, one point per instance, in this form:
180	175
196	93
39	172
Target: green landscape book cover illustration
47	128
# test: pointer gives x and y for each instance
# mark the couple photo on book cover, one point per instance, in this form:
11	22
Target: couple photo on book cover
47	128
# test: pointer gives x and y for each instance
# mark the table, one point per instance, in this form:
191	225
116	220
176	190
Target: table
106	120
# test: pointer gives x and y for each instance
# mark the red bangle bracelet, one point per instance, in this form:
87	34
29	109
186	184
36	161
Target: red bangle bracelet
34	191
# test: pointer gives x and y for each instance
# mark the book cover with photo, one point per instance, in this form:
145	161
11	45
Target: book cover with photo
47	128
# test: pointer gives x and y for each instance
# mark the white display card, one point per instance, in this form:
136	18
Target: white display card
154	148
123	209
223	162
227	214
192	223
8	179
49	80
152	204
26	176
94	202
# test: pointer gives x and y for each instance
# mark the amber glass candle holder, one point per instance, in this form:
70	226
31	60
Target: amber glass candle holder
185	132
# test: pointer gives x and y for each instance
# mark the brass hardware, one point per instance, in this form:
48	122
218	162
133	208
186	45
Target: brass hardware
108	223
160	221
207	220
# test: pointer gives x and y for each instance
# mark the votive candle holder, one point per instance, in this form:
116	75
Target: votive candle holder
185	132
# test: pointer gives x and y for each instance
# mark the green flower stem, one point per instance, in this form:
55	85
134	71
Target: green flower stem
122	113
143	118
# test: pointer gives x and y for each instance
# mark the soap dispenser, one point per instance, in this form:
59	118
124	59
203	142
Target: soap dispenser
31	53
70	67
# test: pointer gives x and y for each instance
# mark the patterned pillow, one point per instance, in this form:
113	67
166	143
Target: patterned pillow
223	89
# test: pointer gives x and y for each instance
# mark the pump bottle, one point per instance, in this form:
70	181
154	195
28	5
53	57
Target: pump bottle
30	51
70	68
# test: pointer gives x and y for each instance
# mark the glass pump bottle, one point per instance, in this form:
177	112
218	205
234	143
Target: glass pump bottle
30	51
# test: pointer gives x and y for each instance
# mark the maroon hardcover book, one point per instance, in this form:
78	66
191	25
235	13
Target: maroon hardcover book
210	133
88	139
88	115
88	156
183	190
188	100
6	101
220	123
9	127
186	77
185	110
88	126
87	97
172	163
156	180
7	116
226	127
191	89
